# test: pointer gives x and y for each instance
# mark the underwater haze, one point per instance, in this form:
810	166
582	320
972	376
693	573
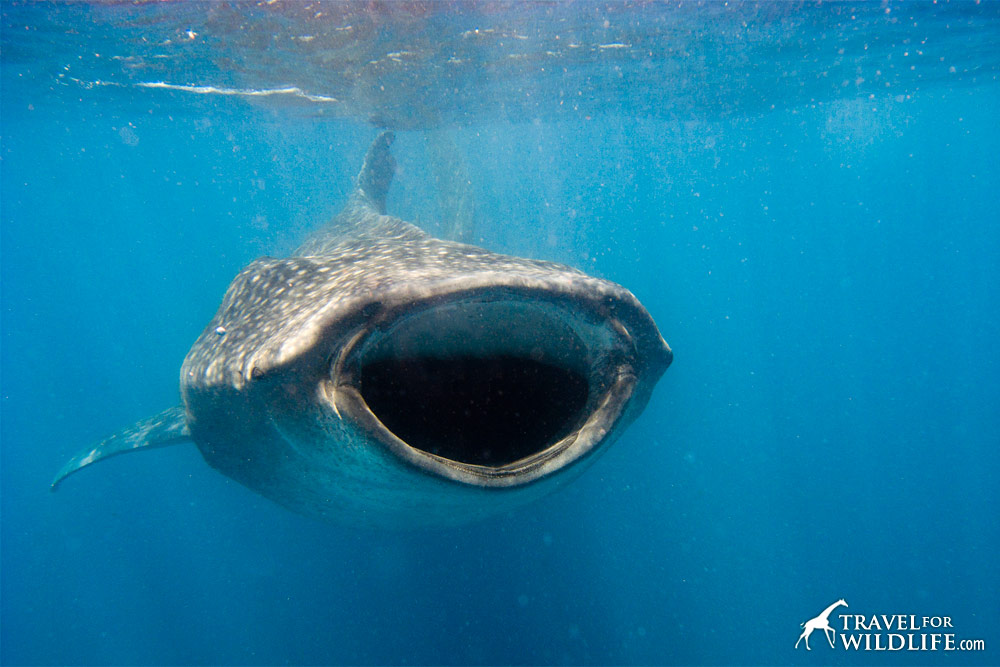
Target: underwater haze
804	197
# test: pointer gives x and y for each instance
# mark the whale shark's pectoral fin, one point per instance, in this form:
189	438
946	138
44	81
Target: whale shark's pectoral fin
167	428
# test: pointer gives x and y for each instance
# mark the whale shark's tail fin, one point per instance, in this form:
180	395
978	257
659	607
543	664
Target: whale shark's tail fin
167	428
376	173
453	180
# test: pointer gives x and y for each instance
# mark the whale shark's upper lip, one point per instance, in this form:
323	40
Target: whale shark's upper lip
500	385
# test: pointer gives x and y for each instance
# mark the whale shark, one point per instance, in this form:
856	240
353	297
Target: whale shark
380	376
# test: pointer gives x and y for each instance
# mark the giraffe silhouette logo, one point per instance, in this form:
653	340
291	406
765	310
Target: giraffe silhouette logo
821	622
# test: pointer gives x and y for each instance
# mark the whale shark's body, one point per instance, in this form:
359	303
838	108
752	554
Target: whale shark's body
381	376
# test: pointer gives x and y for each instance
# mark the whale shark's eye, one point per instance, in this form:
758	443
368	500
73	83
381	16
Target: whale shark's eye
481	383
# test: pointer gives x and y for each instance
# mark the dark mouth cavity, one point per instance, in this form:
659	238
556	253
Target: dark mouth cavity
487	411
484	383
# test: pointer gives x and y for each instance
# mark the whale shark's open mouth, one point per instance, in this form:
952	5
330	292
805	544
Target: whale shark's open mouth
492	387
488	410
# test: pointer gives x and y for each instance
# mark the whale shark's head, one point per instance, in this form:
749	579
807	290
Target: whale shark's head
498	379
397	370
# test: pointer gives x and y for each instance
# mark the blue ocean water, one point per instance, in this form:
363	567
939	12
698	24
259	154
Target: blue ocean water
804	197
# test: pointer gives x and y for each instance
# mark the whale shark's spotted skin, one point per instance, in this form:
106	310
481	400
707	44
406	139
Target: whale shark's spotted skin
381	376
275	308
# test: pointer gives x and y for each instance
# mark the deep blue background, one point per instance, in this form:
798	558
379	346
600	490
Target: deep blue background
827	276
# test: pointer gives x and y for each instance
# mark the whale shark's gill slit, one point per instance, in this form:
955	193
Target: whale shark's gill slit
480	410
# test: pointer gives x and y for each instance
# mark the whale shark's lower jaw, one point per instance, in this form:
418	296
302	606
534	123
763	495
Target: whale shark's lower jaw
498	387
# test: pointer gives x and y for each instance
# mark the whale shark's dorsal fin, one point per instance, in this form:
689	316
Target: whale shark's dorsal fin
376	175
167	428
364	214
